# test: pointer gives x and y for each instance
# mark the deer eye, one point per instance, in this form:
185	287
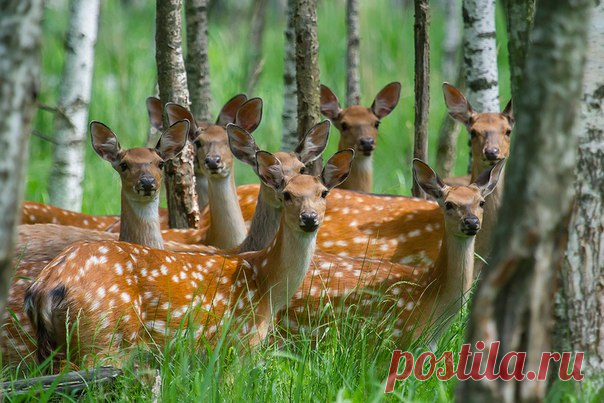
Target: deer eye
302	170
473	133
481	204
324	194
508	132
344	126
376	124
197	143
449	206
287	196
161	164
123	166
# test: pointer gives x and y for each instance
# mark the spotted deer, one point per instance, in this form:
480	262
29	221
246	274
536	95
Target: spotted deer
40	213
226	228
417	296
359	224
404	229
140	171
358	127
135	294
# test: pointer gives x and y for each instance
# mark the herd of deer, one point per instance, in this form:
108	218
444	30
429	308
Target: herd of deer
313	241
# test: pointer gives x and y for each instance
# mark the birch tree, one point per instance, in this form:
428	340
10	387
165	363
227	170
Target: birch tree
422	84
172	81
353	79
21	33
307	70
580	323
71	118
290	95
513	303
480	54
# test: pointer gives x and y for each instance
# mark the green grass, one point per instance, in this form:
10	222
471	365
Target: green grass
350	364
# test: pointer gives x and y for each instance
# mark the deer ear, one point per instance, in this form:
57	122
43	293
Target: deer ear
154	109
269	170
249	114
330	106
337	168
386	100
242	144
427	179
177	113
314	142
487	180
173	140
457	105
104	142
228	113
508	112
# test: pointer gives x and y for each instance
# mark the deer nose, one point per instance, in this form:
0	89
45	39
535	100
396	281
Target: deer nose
471	225
491	154
147	183
367	143
309	221
212	161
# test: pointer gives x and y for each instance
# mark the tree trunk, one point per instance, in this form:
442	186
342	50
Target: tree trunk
307	71
422	84
20	33
290	94
520	15
71	120
255	62
514	302
198	75
480	54
197	62
453	72
172	80
581	293
353	84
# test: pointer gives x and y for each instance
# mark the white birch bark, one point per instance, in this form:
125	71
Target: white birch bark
71	119
480	55
20	37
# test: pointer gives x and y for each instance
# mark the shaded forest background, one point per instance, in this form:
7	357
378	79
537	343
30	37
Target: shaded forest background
125	75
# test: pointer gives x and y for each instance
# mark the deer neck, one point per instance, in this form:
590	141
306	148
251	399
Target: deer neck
484	239
140	222
265	223
361	174
282	265
454	271
201	188
227	227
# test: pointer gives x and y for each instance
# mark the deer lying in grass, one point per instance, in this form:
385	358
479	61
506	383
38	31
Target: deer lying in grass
358	127
332	278
148	294
419	297
140	171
